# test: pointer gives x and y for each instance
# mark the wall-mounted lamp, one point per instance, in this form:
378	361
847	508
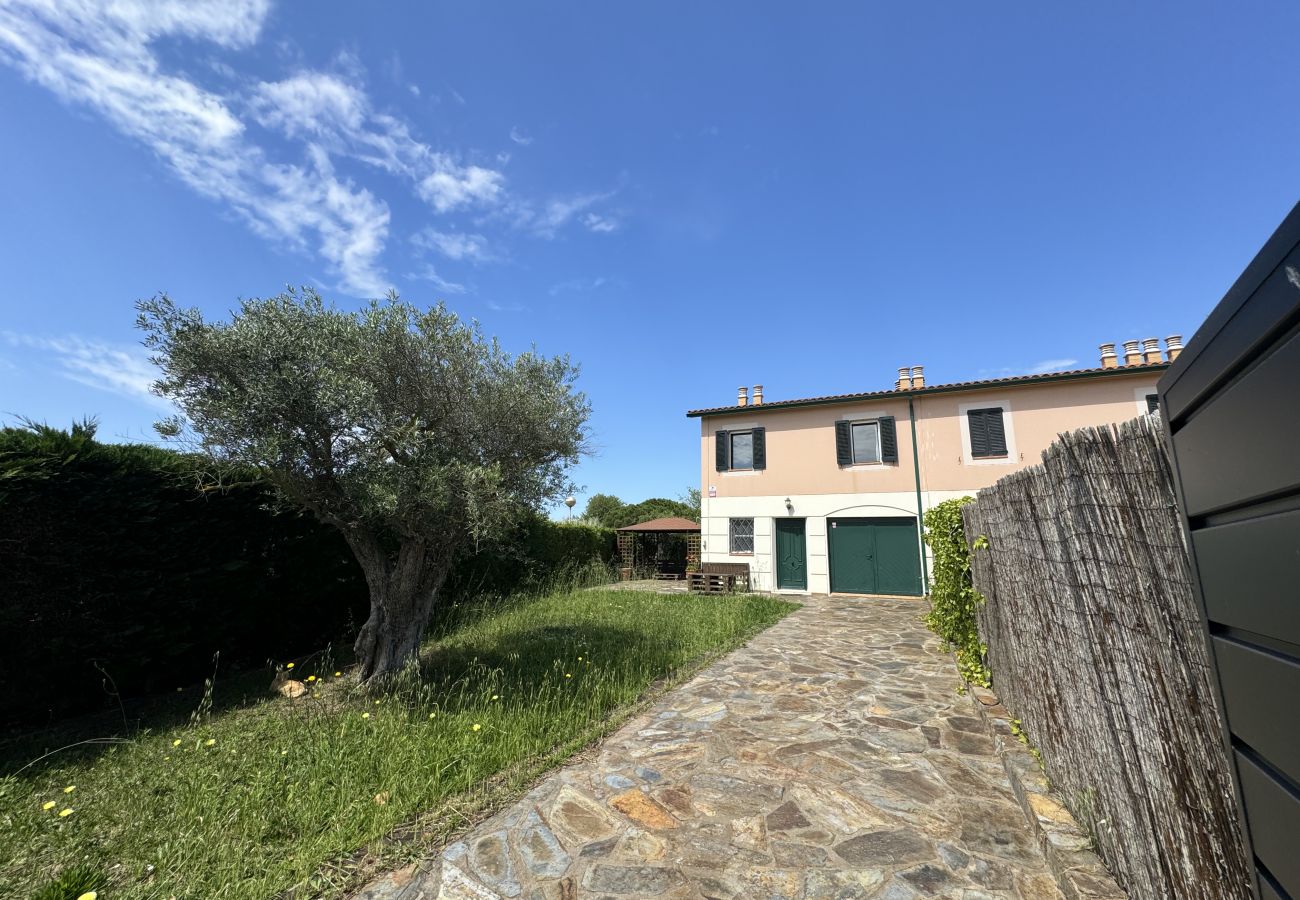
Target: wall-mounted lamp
789	507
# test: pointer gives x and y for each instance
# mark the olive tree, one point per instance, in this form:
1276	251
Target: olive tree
405	429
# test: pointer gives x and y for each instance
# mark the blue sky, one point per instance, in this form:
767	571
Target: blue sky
685	197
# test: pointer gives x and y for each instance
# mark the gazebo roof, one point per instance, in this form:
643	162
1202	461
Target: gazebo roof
664	525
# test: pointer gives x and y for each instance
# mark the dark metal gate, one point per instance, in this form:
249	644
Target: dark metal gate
1232	406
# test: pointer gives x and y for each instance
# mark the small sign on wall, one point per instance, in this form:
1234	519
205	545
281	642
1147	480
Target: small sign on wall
713	490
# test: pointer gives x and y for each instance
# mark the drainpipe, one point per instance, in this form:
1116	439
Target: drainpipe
920	511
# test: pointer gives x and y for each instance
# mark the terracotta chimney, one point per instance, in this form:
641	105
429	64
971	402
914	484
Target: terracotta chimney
1132	353
742	396
1173	346
1108	358
918	377
758	395
1151	350
904	379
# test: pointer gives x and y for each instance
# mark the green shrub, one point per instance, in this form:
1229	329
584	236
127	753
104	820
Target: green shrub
953	598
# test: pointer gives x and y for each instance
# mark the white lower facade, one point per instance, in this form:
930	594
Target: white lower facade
815	510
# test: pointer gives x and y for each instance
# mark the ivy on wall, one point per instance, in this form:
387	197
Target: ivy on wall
953	598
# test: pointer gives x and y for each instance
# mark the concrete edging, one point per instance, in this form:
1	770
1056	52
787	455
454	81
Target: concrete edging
1079	871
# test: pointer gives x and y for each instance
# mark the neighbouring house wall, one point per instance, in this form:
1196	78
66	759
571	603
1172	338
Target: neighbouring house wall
801	461
1095	644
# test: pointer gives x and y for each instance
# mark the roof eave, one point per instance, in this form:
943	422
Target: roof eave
936	389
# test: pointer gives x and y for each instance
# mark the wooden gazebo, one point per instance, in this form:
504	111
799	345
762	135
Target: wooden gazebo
656	549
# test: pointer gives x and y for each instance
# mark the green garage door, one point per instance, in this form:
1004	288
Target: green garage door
874	556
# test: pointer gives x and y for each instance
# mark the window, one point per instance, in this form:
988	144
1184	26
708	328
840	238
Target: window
742	536
988	437
743	450
866	442
1153	403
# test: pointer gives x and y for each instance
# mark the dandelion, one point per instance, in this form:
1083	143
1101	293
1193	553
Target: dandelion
579	659
567	675
311	677
209	742
431	715
376	703
365	715
176	743
89	895
69	789
477	726
64	813
496	696
289	666
338	674
48	804
284	752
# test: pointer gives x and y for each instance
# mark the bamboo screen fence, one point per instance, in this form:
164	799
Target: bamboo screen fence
1095	644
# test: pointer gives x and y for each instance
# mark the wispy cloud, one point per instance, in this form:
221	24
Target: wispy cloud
429	274
496	306
104	56
1051	365
119	369
520	137
600	224
454	245
578	285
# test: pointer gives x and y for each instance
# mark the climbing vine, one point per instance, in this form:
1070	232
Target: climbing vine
953	598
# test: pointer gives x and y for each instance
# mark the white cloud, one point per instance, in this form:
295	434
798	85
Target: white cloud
1051	365
600	224
519	137
454	245
578	285
120	369
429	274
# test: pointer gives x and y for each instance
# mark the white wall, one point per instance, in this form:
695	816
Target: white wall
816	509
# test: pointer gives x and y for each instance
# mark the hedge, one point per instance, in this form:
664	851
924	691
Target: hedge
115	565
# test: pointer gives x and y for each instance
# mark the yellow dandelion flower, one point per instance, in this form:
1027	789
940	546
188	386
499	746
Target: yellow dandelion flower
311	677
64	813
579	659
289	666
365	715
209	742
477	726
89	895
176	743
48	804
431	715
496	696
567	675
69	789
284	752
337	674
376	703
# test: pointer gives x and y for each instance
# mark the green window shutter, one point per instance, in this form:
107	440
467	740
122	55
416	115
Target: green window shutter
996	432
760	448
979	439
888	440
843	444
1153	403
721	440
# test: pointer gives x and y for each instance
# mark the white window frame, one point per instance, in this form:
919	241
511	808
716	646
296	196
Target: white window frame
730	472
731	536
1140	398
1008	429
864	418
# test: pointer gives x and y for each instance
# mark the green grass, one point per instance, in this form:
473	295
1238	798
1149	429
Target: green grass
250	800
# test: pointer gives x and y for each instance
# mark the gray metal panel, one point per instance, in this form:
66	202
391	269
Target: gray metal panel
1274	814
1244	444
1250	573
1254	714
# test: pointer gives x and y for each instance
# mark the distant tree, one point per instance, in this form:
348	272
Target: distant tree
603	508
654	508
405	429
691	499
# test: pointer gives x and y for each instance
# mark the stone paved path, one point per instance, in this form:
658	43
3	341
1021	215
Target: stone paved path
830	757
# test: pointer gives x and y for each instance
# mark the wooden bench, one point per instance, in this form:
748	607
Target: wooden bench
719	578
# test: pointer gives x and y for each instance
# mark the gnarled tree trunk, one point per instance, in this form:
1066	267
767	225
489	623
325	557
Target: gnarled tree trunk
403	593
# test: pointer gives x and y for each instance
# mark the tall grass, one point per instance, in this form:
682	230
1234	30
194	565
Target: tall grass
252	801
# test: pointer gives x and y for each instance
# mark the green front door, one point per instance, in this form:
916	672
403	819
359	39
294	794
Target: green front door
874	556
791	555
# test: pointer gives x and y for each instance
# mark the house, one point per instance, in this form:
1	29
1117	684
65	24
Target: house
824	494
